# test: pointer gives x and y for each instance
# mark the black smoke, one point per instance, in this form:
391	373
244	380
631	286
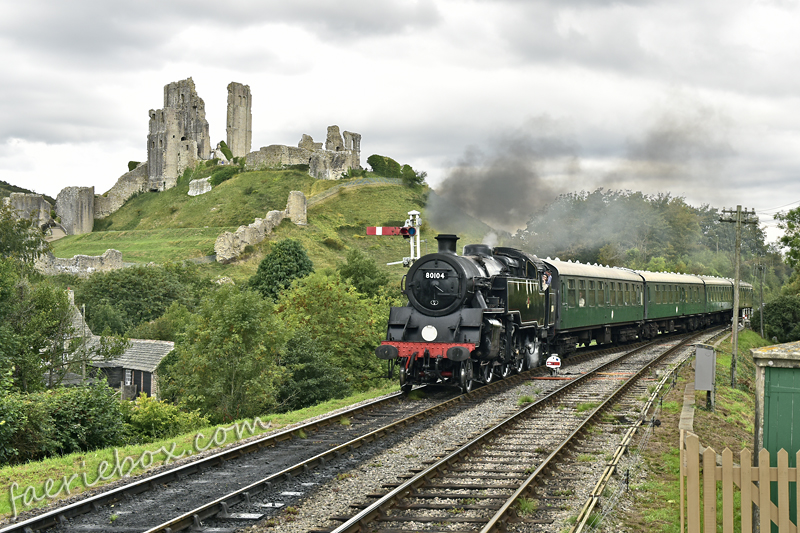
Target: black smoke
502	183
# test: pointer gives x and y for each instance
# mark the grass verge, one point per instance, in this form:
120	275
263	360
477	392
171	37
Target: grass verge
656	499
77	465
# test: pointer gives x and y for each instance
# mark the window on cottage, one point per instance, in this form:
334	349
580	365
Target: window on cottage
128	377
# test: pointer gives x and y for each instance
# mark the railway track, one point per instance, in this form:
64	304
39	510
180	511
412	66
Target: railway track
231	476
158	489
234	474
492	480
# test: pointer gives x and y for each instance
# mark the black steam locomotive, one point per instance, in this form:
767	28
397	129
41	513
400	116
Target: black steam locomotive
494	311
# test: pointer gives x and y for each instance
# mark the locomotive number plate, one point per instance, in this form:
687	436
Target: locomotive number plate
434	274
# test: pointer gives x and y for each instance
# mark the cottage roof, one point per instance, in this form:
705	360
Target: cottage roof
141	355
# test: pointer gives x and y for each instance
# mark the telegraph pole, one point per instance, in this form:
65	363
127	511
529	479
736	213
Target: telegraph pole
738	217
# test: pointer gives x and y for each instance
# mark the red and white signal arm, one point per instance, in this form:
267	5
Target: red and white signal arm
553	361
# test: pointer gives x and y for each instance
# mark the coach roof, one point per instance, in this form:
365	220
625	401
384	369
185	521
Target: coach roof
592	271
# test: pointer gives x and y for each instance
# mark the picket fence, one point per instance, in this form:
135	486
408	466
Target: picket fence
700	513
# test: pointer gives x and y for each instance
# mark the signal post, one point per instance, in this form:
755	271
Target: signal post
409	231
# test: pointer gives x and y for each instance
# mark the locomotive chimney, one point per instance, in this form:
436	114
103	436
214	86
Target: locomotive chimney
447	243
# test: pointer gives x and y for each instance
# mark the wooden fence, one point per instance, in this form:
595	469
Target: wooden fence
753	482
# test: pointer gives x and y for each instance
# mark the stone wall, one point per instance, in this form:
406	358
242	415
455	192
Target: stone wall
240	119
128	185
297	208
80	265
31	206
277	156
75	206
229	246
198	187
340	155
178	135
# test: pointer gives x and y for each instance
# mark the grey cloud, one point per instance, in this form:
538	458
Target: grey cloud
100	31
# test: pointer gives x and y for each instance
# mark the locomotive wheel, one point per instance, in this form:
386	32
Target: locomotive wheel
465	377
405	389
519	365
507	369
487	373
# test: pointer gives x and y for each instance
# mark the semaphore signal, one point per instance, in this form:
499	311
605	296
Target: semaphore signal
410	231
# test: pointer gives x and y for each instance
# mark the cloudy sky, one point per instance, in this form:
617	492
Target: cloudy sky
513	101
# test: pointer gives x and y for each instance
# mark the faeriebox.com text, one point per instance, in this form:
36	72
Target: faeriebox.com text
122	468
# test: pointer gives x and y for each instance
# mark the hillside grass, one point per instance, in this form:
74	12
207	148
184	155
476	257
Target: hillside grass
172	226
36	473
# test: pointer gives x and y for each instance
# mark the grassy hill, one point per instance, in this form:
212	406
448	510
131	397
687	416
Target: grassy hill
172	226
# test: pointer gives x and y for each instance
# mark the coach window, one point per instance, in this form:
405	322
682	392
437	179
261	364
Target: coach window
582	293
601	294
592	294
571	293
620	293
612	293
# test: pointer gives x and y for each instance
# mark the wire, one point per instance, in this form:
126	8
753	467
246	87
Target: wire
779	207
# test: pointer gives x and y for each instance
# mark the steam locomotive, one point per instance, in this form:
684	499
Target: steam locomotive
494	311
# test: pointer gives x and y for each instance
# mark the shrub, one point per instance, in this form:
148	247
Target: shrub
378	164
25	429
132	165
151	419
223	147
222	174
64	420
781	318
314	378
286	261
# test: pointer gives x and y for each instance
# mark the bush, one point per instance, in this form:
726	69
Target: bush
151	419
314	378
132	165
286	261
64	420
223	147
222	174
25	429
378	164
781	318
85	418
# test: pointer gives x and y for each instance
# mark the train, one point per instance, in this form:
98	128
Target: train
495	311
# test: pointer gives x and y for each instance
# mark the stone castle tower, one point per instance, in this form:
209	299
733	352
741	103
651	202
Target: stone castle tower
178	135
240	119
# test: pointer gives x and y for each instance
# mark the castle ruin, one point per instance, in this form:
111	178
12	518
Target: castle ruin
178	138
178	135
240	119
31	206
339	155
75	206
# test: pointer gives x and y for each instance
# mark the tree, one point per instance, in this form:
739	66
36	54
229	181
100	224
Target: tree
286	261
38	342
122	299
226	364
790	224
378	164
362	271
19	238
348	324
411	177
312	377
781	318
